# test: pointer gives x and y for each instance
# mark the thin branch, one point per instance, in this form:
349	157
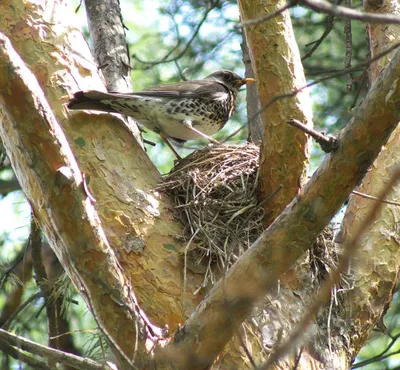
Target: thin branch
359	89
343	12
380	356
10	269
325	291
43	283
328	143
317	43
21	307
23	357
166	58
63	172
50	353
367	196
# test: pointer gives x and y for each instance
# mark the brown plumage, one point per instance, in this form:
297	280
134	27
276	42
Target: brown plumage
185	111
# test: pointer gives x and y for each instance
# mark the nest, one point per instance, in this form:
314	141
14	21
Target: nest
215	196
214	191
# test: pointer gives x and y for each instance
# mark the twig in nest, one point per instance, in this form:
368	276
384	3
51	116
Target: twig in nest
328	143
367	196
214	191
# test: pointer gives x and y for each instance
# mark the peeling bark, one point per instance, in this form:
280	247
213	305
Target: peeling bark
276	61
377	263
291	234
138	221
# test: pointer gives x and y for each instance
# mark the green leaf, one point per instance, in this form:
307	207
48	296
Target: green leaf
170	247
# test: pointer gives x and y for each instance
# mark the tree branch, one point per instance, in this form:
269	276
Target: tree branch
344	12
277	66
137	220
259	268
43	283
21	356
55	355
327	142
329	27
324	293
111	49
62	174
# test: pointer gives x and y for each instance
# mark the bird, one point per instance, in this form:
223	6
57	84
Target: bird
182	111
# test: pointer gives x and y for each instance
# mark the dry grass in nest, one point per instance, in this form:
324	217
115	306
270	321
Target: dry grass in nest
214	190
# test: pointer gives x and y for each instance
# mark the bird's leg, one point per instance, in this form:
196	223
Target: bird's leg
165	139
188	124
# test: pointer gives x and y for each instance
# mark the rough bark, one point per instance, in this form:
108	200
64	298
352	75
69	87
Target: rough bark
109	44
291	234
255	122
54	187
272	44
110	49
376	266
137	221
276	61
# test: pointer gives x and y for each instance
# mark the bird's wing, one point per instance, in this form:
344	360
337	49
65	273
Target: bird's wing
203	89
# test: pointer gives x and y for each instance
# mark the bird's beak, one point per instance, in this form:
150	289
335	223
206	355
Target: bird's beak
248	80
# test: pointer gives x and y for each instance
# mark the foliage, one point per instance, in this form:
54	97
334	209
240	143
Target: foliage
162	52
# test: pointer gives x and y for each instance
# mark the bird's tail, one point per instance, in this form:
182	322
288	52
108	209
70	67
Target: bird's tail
92	100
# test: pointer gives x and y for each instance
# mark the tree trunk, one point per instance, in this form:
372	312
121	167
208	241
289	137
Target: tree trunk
376	265
276	61
137	221
121	250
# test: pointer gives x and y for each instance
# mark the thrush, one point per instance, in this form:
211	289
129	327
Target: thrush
183	111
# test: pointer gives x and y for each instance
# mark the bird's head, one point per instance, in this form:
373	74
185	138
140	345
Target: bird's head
230	79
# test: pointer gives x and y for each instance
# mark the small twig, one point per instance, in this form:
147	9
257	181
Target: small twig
8	271
328	143
20	308
58	356
317	43
296	364
343	12
375	198
79	6
22	356
245	349
380	356
360	87
43	283
166	58
149	142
